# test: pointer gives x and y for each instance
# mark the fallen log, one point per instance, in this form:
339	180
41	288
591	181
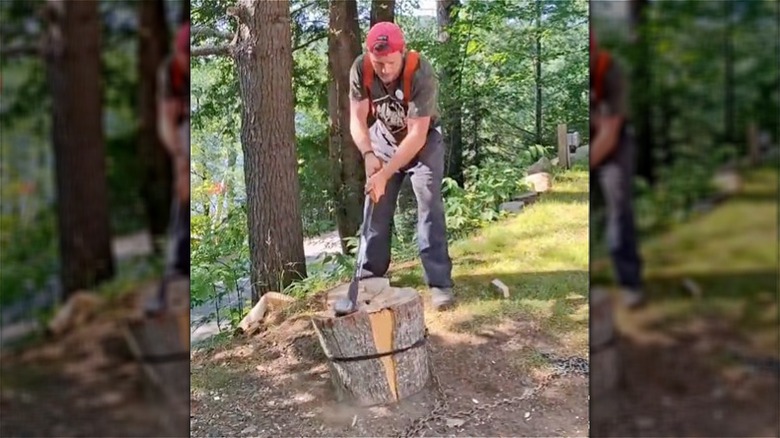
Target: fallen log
269	302
376	355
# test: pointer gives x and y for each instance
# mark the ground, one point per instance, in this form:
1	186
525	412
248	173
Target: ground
85	383
701	359
486	349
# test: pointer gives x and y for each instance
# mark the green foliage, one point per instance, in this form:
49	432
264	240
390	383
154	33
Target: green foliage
29	255
219	255
471	207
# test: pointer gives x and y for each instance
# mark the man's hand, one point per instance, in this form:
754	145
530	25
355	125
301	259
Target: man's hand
376	185
373	164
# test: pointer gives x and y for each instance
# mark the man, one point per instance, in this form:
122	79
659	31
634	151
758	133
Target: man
612	162
173	114
405	139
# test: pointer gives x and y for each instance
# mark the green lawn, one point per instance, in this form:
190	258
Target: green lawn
541	254
730	256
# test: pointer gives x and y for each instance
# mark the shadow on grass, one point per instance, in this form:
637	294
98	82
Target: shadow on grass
564	197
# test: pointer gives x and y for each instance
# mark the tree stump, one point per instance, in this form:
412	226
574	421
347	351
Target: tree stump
604	361
376	355
161	345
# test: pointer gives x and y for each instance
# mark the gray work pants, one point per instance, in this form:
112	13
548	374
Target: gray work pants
615	177
426	172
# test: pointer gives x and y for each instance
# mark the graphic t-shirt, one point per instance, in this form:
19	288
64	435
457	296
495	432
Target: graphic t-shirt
613	101
389	129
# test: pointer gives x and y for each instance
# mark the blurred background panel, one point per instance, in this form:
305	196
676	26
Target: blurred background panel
701	357
86	194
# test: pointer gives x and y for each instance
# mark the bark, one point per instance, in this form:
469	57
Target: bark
348	176
641	83
450	81
155	162
263	55
538	62
382	10
74	77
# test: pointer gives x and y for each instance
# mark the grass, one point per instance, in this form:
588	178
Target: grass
731	254
540	254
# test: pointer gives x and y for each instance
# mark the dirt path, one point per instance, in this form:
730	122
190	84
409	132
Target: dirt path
278	384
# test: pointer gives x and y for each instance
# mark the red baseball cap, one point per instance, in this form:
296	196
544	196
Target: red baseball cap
183	38
385	38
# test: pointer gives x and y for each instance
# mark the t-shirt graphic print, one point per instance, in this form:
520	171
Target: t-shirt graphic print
389	129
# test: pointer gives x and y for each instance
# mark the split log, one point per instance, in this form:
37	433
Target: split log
269	302
376	355
80	308
161	344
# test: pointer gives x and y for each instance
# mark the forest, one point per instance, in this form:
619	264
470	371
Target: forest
509	73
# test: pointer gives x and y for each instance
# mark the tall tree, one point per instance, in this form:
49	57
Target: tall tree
382	10
74	76
348	174
263	54
155	163
642	80
538	68
450	80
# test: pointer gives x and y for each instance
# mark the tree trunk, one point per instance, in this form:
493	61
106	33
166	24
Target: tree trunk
263	55
382	10
538	62
642	93
450	83
155	162
347	165
728	48
74	76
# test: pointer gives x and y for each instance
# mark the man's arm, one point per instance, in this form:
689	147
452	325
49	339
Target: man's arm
167	114
422	105
606	140
358	108
610	124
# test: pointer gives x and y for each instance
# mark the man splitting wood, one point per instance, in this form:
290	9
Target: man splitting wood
397	88
612	162
173	114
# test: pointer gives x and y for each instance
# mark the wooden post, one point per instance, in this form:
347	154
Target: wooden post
376	355
563	147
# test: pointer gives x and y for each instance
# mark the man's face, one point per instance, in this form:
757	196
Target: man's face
387	67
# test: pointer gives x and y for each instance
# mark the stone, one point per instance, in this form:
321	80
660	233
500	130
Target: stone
581	154
526	198
512	206
539	182
543	165
501	287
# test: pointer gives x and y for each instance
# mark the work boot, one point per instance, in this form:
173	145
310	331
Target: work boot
633	298
442	299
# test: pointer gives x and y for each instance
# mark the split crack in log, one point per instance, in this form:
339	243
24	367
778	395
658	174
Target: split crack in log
389	320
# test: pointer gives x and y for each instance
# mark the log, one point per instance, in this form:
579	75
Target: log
161	345
269	302
604	359
376	355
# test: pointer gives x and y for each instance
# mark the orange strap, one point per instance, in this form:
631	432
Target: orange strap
602	63
410	67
